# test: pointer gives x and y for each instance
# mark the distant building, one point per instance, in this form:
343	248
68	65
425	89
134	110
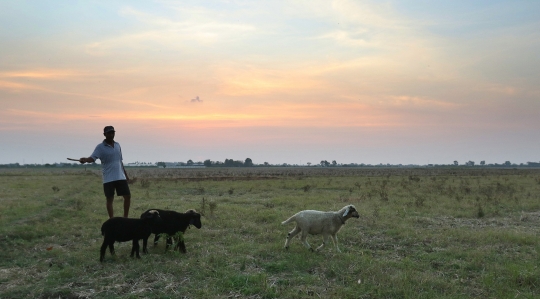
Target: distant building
182	165
141	164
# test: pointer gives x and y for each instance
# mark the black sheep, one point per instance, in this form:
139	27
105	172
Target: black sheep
172	223
119	229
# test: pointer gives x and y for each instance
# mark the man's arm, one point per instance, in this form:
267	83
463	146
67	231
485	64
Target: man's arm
87	160
122	162
125	173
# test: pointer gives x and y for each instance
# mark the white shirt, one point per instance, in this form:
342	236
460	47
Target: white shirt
111	161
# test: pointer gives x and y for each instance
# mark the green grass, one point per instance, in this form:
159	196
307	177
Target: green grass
423	233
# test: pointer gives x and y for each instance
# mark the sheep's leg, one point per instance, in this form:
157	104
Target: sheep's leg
304	240
181	246
156	239
111	247
169	242
106	242
291	235
325	240
102	250
135	248
334	239
144	245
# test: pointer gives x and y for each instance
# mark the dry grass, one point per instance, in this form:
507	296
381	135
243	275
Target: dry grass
420	234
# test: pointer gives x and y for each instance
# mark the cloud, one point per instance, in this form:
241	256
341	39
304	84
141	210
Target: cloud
196	100
43	74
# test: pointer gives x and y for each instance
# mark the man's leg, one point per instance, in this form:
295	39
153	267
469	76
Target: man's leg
110	206
127	202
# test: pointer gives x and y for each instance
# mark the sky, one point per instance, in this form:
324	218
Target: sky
399	82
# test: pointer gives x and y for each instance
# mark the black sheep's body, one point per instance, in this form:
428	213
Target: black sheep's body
119	229
172	223
117	226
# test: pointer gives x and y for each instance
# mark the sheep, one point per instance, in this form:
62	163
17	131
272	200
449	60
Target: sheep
172	223
119	229
317	222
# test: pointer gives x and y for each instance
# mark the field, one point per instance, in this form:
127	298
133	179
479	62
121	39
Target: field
422	233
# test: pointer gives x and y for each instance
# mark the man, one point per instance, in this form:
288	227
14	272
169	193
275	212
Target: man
114	173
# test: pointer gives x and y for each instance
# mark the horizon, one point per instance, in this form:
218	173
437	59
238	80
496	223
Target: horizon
398	82
180	164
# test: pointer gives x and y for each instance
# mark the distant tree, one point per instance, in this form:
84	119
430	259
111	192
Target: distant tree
325	163
482	162
334	163
507	163
248	162
161	164
207	163
456	163
189	162
233	163
266	164
308	163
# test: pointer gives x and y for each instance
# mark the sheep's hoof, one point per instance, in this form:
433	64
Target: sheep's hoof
311	249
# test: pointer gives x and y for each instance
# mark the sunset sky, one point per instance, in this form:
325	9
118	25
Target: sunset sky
410	82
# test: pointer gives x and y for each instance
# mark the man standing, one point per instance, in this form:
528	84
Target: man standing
114	173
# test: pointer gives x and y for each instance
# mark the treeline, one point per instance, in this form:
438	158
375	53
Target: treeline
249	163
229	163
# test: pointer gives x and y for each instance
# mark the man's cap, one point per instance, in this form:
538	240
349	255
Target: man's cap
108	129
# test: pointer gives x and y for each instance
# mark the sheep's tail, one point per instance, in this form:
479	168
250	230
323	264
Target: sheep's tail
104	227
291	219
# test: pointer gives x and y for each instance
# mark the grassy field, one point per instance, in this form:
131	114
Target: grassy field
422	233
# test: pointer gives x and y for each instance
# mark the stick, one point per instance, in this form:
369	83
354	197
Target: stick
71	159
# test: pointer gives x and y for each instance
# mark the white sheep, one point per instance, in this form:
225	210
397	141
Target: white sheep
317	222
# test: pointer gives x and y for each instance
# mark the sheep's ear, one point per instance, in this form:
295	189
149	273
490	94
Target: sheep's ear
346	211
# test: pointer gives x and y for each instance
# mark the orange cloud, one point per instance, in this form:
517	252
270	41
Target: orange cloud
257	83
14	86
421	102
42	74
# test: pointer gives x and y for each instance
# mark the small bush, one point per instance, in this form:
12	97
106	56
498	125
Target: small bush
145	183
480	213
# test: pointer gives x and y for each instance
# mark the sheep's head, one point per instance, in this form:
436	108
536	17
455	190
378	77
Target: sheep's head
152	215
195	218
350	211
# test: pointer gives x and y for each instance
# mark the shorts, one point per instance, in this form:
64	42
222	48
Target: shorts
120	186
